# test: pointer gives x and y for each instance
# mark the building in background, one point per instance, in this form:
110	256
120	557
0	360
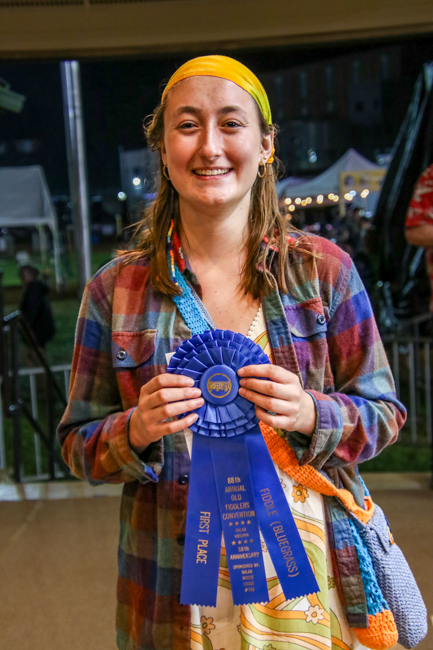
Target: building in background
355	100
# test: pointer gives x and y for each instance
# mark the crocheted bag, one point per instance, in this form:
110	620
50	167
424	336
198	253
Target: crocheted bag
395	579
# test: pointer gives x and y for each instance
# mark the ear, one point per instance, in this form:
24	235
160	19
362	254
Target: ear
266	147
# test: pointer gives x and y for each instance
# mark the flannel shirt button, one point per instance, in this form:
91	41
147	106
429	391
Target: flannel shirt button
181	539
183	480
321	319
121	355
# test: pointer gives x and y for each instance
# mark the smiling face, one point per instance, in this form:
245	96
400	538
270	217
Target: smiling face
212	143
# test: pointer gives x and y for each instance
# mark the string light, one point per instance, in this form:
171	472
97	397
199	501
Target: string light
309	200
291	207
297	201
365	193
320	198
287	201
348	196
331	196
335	198
304	202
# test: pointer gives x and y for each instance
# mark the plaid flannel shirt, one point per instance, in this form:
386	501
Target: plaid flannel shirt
323	331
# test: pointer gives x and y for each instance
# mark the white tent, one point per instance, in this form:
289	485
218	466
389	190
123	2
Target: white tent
25	200
329	181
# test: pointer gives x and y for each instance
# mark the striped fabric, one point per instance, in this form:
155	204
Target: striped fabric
324	331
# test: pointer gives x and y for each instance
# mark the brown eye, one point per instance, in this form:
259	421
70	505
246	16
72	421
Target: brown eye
186	125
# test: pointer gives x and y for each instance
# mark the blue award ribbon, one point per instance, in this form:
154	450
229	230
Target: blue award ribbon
234	487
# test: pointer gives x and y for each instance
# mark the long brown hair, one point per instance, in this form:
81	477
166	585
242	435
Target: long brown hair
265	223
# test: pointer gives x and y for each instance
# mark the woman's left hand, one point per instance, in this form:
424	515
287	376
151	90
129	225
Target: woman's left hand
282	393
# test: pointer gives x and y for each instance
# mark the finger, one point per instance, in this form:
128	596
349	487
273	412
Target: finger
279	406
172	410
272	388
166	428
166	380
269	371
274	421
165	395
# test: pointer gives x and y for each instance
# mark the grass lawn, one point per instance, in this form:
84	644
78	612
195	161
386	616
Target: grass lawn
68	264
60	349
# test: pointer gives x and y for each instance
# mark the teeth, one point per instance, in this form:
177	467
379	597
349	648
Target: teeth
211	172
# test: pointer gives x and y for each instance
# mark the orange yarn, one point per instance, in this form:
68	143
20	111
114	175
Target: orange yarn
381	633
284	456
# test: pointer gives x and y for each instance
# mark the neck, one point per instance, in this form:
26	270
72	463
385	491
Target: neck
214	236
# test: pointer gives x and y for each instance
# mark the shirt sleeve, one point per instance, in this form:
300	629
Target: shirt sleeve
362	414
93	431
420	212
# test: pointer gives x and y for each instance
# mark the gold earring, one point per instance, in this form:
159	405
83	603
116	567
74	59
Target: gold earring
165	172
264	170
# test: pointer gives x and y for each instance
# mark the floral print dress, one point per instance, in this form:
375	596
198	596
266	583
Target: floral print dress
315	622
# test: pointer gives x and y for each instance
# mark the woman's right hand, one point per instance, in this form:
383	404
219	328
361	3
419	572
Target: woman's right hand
164	396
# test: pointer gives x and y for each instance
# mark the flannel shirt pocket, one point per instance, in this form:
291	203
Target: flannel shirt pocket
307	319
133	362
132	349
308	326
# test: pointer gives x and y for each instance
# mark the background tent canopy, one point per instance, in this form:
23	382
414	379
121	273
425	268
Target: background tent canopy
329	181
25	200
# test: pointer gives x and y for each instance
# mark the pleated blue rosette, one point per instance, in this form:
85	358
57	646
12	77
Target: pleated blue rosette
212	356
234	488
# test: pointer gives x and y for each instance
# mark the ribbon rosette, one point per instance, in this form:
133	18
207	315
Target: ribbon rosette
234	488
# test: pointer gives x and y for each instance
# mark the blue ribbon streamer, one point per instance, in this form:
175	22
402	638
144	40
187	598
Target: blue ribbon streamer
240	527
277	524
234	487
203	530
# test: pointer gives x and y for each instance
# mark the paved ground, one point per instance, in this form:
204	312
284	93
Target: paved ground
58	561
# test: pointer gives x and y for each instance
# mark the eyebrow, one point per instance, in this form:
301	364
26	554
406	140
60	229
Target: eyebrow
221	111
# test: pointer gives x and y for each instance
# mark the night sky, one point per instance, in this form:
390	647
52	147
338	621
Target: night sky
117	96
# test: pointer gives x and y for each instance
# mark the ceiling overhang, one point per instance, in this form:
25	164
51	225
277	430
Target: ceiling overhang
94	28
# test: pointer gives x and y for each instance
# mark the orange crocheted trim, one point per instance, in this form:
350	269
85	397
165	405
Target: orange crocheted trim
284	456
381	633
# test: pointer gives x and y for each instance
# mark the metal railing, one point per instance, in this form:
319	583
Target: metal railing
411	361
29	377
21	410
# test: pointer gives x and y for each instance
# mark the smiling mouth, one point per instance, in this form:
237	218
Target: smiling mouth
211	172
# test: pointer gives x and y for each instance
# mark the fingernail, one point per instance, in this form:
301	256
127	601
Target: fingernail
194	417
242	391
240	371
189	381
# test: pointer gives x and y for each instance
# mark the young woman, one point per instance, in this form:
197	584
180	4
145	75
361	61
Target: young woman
329	396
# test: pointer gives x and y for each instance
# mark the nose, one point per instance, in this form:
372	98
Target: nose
210	146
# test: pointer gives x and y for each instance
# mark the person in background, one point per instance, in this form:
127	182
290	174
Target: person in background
35	305
419	220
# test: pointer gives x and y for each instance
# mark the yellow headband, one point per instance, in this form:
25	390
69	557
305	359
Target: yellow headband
225	68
